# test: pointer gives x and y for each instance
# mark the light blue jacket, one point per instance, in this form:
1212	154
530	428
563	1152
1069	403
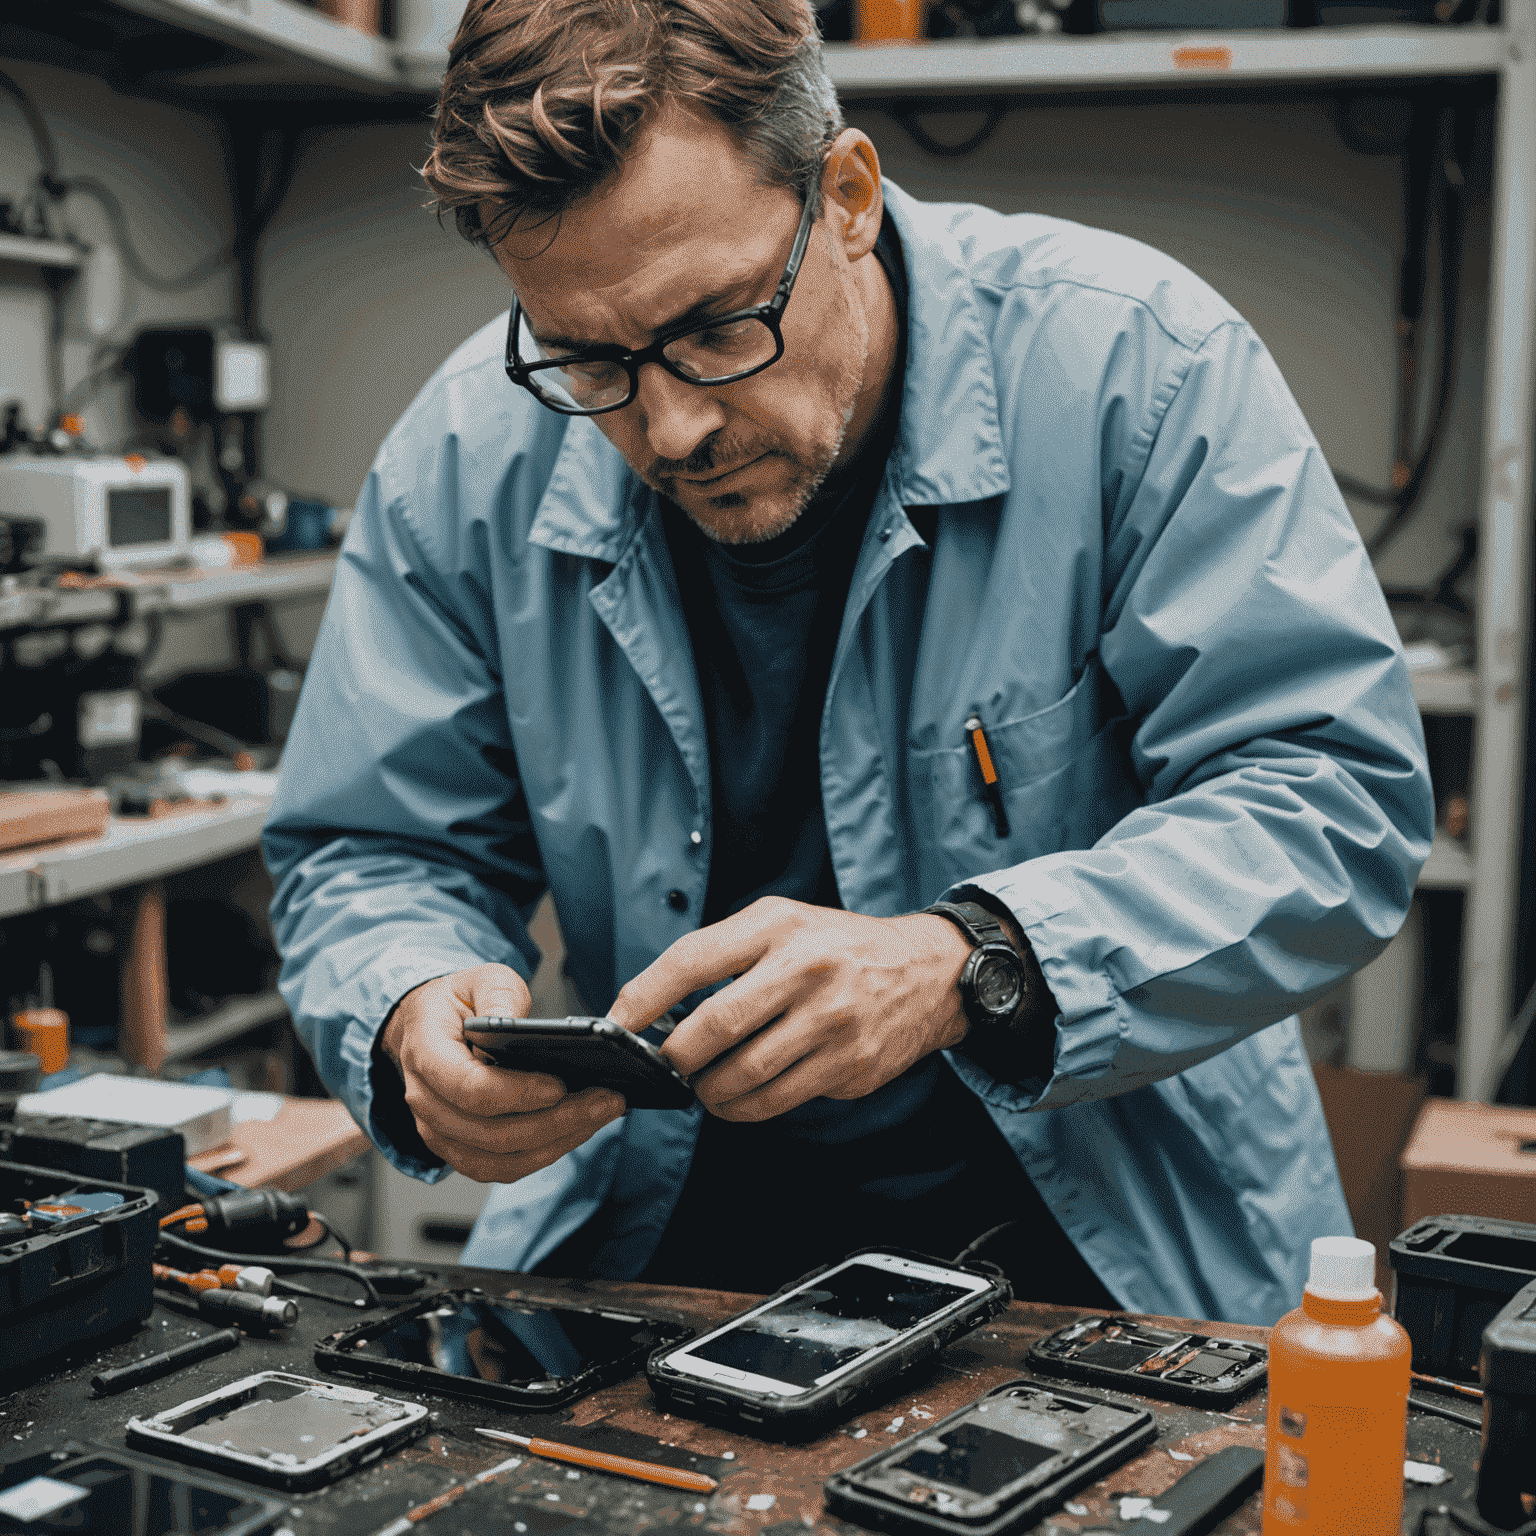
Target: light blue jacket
1141	577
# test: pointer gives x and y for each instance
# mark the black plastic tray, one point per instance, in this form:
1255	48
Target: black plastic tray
1454	1274
82	1278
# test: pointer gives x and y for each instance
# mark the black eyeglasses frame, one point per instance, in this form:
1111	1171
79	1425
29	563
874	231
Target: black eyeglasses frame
770	314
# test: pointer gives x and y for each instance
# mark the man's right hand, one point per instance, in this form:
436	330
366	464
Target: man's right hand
493	1125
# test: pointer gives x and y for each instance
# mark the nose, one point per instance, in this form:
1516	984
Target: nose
675	417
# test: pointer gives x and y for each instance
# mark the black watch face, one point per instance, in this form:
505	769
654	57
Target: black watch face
996	983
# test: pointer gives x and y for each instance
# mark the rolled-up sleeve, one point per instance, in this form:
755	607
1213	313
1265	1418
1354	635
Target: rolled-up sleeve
1269	720
399	842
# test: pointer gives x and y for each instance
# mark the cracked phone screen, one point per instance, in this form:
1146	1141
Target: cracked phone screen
811	1333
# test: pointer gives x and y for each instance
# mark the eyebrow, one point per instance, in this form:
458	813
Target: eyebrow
710	306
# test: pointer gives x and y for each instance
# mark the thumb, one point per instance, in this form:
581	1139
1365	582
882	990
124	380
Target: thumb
487	990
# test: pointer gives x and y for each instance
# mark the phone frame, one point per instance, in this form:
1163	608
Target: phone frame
334	1353
851	1495
571	1048
157	1434
1195	1394
763	1406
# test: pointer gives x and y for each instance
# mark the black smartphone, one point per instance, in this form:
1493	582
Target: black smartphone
523	1354
1194	1368
584	1053
93	1490
997	1465
814	1351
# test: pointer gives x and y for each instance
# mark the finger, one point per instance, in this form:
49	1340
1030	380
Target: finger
492	991
767	1055
579	1116
699	959
490	1168
735	1013
808	1079
439	1057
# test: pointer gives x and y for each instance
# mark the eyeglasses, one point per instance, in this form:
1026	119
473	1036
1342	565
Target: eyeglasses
719	351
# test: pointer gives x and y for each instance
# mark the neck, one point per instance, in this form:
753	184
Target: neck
880	380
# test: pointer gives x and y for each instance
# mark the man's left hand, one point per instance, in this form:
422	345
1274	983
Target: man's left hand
825	1003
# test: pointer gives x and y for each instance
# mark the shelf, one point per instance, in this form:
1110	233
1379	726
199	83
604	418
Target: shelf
1445	691
133	849
1449	867
1164	60
234	1018
279	578
40	253
288	45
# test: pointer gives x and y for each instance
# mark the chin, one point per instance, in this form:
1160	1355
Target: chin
739	518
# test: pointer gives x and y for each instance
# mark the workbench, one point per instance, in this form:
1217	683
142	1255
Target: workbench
765	1489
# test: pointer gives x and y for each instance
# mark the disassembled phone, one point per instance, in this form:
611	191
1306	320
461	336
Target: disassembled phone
997	1465
90	1490
469	1343
584	1053
278	1428
1193	1368
814	1350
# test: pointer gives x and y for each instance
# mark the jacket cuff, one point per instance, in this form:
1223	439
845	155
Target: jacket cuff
1082	1037
370	1084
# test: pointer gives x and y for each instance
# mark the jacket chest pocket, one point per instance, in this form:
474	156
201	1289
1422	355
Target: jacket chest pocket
1065	777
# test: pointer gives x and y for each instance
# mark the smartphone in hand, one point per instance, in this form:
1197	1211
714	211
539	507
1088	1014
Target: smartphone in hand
584	1053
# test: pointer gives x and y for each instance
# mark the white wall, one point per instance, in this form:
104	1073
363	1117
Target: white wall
364	294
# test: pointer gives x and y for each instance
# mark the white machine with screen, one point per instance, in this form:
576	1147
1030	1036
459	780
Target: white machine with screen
127	513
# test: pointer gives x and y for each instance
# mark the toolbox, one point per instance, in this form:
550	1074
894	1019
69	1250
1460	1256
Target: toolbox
75	1259
1454	1275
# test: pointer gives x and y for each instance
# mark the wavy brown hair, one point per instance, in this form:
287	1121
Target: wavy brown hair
543	98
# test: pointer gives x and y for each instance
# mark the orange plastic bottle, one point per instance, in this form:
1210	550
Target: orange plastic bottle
1338	1404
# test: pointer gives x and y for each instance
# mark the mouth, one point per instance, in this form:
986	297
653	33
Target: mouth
711	481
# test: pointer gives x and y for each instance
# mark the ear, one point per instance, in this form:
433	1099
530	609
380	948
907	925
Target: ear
850	188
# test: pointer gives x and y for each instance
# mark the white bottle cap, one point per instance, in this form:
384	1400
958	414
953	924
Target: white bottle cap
1343	1269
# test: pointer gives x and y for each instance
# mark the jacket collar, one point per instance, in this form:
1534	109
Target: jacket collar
945	454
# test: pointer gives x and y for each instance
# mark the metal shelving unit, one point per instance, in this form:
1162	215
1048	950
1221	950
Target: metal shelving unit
56	254
132	850
237	1016
279	578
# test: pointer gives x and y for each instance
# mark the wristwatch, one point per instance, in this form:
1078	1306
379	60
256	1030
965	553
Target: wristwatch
994	983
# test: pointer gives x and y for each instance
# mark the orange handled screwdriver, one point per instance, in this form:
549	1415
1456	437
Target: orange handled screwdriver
601	1461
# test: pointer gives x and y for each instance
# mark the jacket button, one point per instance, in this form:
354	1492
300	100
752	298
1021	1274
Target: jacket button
677	901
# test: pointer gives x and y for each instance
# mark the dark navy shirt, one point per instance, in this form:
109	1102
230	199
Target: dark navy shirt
918	1163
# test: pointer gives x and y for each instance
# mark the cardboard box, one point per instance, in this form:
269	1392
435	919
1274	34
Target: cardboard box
1370	1115
1471	1160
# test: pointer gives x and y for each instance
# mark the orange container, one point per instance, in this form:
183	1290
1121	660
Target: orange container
44	1032
1338	1404
887	21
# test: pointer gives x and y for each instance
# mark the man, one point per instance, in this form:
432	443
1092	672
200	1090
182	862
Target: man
797	555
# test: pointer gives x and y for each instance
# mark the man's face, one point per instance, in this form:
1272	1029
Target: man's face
688	223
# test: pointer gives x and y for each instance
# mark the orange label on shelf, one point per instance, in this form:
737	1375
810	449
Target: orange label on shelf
1202	58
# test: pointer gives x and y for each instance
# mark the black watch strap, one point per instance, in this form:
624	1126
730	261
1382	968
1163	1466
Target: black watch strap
973	920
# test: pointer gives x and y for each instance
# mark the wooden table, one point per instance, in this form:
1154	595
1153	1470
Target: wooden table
765	1489
306	1140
